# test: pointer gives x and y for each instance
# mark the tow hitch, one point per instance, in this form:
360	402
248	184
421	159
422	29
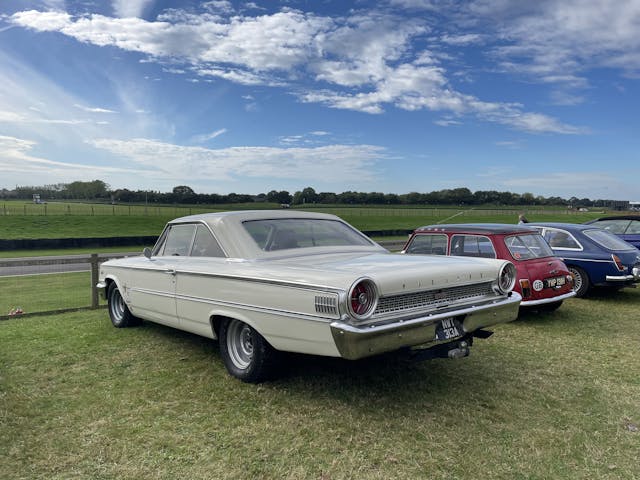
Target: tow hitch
457	349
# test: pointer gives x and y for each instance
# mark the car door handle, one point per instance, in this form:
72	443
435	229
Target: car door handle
169	272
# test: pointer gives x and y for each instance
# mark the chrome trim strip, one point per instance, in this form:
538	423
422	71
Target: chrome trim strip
297	285
241	306
255	308
585	259
619	278
529	303
426	320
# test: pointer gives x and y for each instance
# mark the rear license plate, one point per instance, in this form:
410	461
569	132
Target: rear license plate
554	282
448	328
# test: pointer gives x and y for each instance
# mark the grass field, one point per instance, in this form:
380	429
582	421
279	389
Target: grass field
548	396
83	224
42	293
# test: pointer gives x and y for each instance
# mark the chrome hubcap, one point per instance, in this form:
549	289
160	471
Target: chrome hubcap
577	279
117	305
240	344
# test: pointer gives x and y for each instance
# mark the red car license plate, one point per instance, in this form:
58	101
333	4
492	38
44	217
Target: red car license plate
555	282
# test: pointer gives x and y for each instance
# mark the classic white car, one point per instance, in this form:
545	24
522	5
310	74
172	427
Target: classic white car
263	282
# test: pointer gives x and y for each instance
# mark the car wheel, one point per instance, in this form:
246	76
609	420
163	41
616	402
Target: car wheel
581	282
119	313
245	353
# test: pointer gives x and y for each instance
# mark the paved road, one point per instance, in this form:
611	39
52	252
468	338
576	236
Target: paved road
80	263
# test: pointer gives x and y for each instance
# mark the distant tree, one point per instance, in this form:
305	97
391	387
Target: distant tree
279	197
87	190
307	195
183	190
327	198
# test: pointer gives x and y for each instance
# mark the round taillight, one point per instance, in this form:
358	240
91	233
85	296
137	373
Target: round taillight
363	298
506	278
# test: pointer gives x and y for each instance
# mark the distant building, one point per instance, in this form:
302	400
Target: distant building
617	204
634	206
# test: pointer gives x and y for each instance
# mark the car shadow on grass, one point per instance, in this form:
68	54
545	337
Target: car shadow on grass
383	376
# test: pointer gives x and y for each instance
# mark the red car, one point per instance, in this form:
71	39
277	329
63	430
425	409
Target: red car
543	279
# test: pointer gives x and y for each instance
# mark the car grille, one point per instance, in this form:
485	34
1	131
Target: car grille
432	298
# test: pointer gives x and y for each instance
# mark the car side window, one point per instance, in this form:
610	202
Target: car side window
472	246
205	245
428	244
561	239
178	240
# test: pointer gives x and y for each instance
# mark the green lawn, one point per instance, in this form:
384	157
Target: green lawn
547	397
42	293
18	226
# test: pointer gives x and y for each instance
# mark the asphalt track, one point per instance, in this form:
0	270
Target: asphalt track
81	263
52	264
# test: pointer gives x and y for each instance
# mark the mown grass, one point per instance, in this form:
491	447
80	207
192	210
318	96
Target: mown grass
548	396
43	293
92	226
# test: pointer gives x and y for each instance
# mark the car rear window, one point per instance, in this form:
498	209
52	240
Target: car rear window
526	247
286	233
613	226
608	240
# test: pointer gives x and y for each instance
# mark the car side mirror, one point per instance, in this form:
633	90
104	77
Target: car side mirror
147	252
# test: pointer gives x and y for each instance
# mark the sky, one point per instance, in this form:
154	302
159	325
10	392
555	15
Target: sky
393	96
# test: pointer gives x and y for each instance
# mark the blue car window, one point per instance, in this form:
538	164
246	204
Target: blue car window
608	240
614	225
634	227
560	239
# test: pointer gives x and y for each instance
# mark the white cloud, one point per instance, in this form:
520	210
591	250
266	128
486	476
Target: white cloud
17	162
209	136
93	109
362	62
557	40
309	164
130	8
464	39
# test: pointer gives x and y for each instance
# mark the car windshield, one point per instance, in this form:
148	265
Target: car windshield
285	233
526	247
608	240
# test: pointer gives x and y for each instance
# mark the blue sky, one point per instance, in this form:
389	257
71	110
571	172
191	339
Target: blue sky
392	96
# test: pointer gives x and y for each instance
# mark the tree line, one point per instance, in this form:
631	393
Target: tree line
99	191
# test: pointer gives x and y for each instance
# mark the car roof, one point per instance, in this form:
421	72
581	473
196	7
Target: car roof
615	217
242	215
565	226
477	228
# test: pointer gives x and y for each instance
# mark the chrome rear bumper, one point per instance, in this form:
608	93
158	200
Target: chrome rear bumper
354	342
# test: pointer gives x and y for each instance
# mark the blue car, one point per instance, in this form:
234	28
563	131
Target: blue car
594	256
627	227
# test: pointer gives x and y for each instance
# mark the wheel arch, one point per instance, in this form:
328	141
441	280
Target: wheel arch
216	319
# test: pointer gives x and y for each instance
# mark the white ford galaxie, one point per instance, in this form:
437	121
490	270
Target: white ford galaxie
264	282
